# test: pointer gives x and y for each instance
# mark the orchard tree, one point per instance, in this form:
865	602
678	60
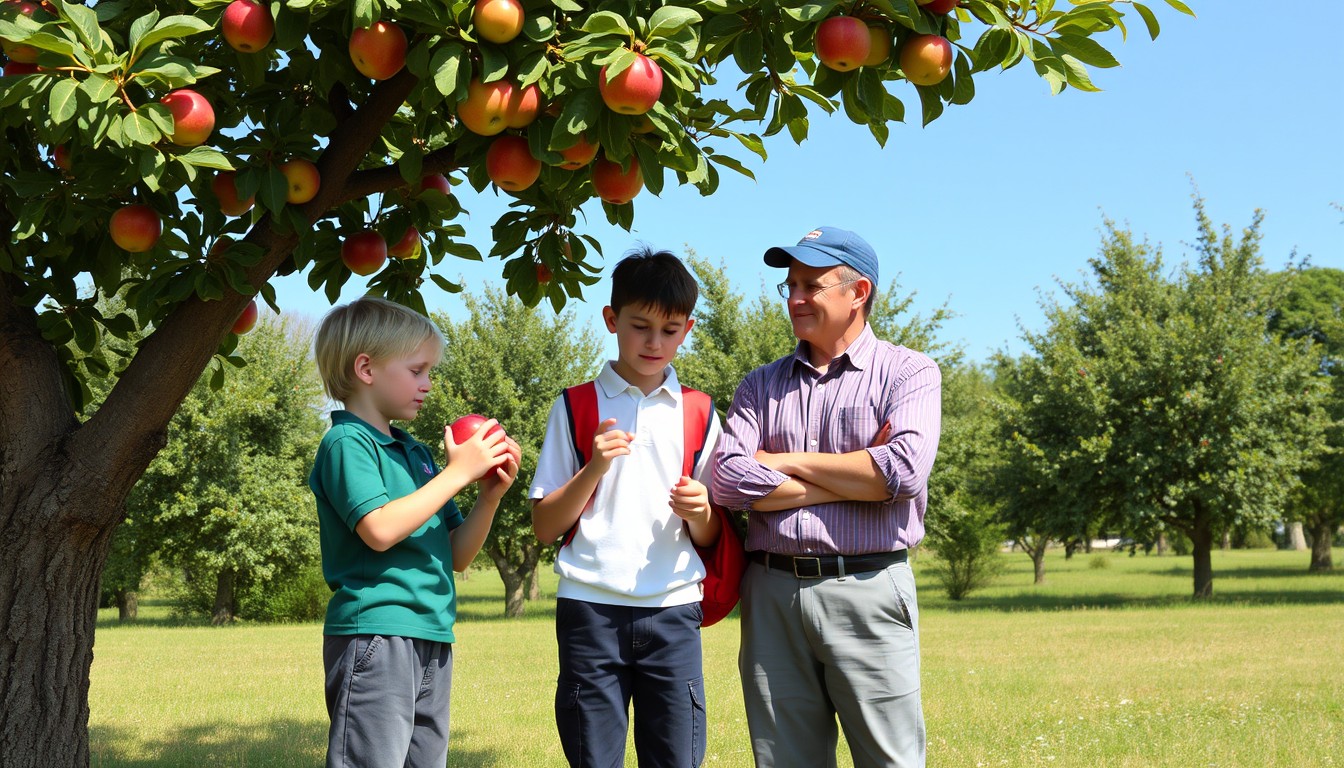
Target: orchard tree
1312	307
1167	402
508	362
317	136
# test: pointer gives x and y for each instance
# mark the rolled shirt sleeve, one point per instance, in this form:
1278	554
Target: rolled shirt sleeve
906	459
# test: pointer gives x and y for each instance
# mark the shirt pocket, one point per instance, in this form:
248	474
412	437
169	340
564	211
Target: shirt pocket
857	427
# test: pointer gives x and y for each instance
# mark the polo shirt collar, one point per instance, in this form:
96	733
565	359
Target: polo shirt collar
346	417
859	353
613	384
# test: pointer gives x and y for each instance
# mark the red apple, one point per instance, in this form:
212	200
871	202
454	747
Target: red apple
463	429
221	245
246	320
879	46
303	181
135	228
842	43
61	157
938	6
543	273
926	59
510	164
19	69
379	52
498	21
579	155
406	247
247	26
23	54
436	181
364	252
635	90
522	107
614	185
485	110
225	187
193	117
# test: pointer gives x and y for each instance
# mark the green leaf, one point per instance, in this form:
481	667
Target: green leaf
207	157
172	27
1149	19
669	20
963	89
1076	74
64	100
809	12
49	42
138	129
580	112
444	65
605	23
1085	49
1182	7
99	88
364	15
733	163
494	63
85	23
160	114
931	105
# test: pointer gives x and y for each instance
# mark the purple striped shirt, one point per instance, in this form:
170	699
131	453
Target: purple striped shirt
788	406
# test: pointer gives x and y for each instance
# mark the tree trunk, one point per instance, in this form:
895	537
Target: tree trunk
1322	536
516	572
128	605
1226	542
225	585
49	589
1201	540
1297	540
1161	544
534	585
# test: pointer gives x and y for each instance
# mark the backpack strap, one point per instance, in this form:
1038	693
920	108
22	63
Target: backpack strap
696	407
581	408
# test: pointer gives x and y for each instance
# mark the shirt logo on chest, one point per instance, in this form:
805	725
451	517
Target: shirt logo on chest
425	466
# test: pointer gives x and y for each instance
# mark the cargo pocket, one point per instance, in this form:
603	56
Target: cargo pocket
569	720
698	721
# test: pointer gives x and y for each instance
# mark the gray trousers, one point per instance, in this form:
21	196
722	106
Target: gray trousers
387	698
815	649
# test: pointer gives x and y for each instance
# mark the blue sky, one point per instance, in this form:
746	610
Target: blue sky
996	200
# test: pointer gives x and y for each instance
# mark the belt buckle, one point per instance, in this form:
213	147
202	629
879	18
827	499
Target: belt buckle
816	564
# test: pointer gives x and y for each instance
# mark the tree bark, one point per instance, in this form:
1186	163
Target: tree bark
1038	558
533	585
516	572
1201	540
128	605
225	586
1297	540
1322	536
1161	544
1226	540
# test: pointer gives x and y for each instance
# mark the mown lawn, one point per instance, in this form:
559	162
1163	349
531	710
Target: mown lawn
1109	663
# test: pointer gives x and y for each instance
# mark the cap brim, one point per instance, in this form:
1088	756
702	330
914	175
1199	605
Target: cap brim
809	255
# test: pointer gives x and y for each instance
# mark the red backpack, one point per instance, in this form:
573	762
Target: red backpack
725	560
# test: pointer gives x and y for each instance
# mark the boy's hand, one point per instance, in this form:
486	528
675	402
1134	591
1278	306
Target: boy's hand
690	500
480	453
608	443
498	480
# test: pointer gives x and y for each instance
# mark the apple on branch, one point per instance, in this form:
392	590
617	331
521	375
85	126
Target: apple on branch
302	181
247	320
193	117
498	21
510	165
614	185
379	51
135	228
843	43
247	26
364	252
635	89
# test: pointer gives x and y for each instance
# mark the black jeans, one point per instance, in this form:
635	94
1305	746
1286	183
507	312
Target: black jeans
613	654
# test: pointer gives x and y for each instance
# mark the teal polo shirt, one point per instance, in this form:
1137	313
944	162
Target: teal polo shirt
408	590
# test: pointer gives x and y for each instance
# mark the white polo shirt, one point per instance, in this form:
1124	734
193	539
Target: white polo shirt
630	548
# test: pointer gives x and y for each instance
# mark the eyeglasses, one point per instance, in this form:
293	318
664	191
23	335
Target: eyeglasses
786	291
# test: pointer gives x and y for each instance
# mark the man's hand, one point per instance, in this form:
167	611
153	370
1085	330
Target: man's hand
882	436
690	500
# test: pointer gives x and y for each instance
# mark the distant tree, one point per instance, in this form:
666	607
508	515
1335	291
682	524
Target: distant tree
229	492
1203	418
509	362
1312	307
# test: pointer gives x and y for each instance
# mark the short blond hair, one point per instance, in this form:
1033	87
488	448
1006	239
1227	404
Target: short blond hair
376	327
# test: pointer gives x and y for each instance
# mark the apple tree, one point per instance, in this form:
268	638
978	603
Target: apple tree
184	153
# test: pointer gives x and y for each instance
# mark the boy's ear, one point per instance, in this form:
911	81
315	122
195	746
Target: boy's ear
690	323
609	317
364	368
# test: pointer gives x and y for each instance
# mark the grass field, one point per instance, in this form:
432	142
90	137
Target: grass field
1109	663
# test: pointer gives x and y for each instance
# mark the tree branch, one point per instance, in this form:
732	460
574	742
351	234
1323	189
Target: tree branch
374	180
126	433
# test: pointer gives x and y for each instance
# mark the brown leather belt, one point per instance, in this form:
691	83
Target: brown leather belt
829	566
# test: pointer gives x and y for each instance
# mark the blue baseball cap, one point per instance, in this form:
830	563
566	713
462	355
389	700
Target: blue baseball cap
828	247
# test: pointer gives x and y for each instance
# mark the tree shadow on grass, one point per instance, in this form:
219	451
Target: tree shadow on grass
1223	594
285	743
491	608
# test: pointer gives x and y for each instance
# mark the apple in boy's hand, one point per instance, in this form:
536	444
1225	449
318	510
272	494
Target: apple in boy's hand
466	426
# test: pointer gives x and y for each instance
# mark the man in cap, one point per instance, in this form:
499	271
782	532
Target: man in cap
830	448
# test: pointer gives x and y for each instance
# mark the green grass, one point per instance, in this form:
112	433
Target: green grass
1109	666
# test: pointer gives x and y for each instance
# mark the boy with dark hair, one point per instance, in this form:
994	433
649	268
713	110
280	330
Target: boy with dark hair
391	537
630	500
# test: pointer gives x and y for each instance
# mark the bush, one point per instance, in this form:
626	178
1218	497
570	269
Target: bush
967	543
1099	561
300	596
1258	539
